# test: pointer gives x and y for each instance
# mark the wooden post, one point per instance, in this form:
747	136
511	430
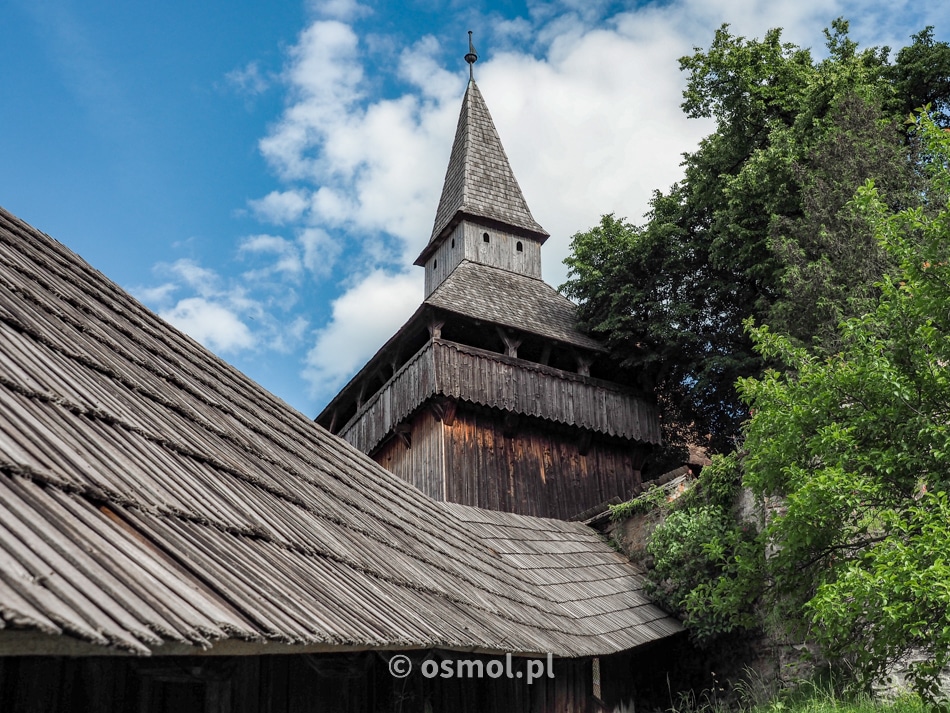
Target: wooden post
404	431
512	342
583	364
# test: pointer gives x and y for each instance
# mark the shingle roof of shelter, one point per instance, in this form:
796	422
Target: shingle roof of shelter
559	555
513	300
152	496
479	181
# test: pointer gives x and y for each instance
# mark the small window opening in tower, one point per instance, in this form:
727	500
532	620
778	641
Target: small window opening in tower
435	264
453	242
519	247
485	237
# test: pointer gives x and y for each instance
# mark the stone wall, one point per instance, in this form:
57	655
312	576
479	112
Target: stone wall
734	668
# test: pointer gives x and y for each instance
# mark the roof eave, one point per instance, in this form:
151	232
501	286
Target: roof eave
372	363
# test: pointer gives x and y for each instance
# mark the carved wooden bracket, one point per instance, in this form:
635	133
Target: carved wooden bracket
444	411
404	431
583	364
435	328
512	342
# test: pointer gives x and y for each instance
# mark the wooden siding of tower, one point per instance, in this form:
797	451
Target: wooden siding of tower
531	470
467	242
468	374
418	460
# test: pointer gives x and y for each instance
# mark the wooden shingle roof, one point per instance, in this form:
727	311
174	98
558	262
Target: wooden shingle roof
511	299
569	557
479	182
153	499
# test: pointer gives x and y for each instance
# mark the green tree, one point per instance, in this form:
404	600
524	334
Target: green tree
854	448
708	561
848	457
921	77
829	257
756	225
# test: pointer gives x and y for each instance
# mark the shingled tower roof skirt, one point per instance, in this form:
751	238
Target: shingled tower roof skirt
479	183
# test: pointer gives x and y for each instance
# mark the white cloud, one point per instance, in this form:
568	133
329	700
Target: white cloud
202	280
159	294
419	65
248	80
371	164
325	79
344	10
320	251
281	207
212	324
362	321
286	256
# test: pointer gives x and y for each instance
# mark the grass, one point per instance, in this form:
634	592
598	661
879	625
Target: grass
809	697
830	704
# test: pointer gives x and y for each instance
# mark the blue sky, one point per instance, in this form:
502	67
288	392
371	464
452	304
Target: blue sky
263	174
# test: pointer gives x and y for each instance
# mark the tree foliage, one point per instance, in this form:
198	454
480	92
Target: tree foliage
856	445
848	456
921	77
840	423
708	561
758	226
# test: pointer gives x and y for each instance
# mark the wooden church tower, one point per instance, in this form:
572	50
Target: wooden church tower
489	395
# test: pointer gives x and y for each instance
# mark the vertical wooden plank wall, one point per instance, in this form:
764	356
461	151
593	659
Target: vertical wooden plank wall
419	462
467	242
532	471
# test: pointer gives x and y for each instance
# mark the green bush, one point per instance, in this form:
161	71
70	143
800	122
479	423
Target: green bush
708	563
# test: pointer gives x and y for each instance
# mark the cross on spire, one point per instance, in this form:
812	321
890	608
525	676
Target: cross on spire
471	58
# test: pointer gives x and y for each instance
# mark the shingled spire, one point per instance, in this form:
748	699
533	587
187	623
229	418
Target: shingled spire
479	184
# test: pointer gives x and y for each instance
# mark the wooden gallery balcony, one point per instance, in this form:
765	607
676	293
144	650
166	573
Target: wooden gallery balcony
448	370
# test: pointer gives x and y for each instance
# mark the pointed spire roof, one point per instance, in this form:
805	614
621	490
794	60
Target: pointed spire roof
479	183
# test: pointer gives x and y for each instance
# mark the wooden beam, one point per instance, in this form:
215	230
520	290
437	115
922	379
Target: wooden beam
444	410
435	328
404	431
394	363
545	354
583	364
512	342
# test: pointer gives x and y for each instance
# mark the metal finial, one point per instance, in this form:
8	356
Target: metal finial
471	58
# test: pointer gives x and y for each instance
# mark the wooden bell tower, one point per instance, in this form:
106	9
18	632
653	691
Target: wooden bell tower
489	395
